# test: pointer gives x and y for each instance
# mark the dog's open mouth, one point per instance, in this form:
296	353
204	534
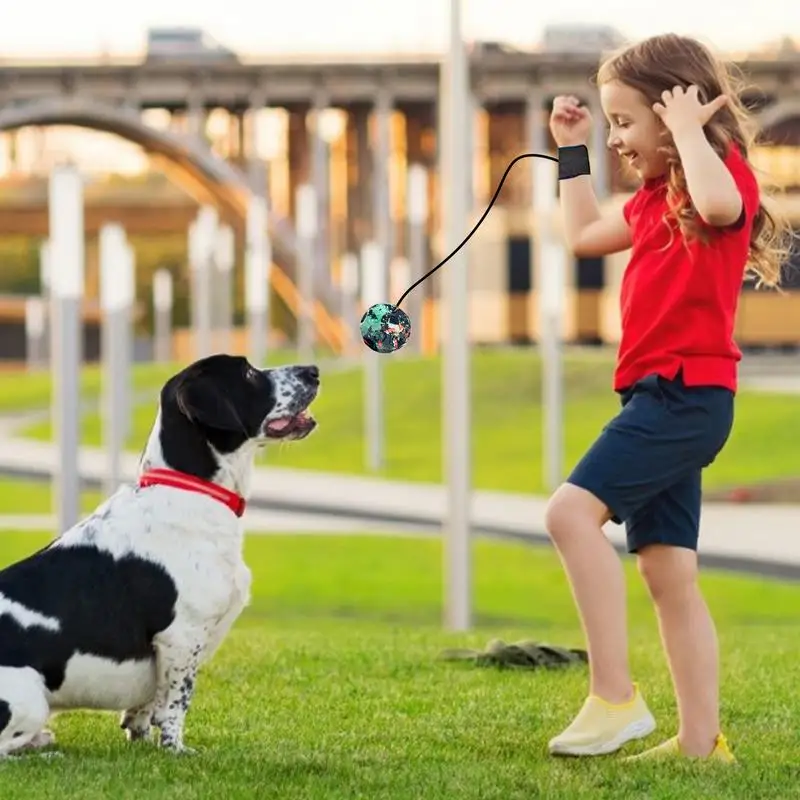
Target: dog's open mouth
295	427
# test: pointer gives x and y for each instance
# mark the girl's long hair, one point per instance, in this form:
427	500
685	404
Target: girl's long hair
663	62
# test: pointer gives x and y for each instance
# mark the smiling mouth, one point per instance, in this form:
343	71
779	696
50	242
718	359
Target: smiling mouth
296	427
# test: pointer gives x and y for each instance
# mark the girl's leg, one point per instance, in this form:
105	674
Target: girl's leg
574	520
664	536
614	713
690	642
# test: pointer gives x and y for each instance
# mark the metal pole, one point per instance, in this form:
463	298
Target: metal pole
307	226
35	316
417	226
456	366
552	309
225	261
320	176
551	274
162	315
127	355
373	281
201	255
67	287
116	299
258	260
44	293
381	184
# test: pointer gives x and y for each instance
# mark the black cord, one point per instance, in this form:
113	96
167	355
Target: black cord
477	224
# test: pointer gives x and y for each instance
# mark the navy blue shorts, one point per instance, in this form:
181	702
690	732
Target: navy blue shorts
646	464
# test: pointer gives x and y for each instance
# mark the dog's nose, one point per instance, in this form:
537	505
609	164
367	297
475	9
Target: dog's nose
309	375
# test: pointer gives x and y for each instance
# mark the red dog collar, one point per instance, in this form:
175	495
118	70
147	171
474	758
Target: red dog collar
181	480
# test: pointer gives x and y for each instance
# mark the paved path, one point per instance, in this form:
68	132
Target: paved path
753	537
762	538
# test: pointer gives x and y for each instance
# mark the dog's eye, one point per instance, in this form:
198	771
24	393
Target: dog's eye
252	374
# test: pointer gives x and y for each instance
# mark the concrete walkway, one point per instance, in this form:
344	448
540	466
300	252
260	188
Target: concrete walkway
761	538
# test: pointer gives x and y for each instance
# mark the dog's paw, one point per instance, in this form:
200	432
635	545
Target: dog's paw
138	734
50	754
137	725
45	738
178	749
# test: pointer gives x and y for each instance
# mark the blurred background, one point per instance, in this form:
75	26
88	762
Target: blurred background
224	176
166	114
250	182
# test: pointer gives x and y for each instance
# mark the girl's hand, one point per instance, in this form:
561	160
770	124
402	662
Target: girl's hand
681	109
570	123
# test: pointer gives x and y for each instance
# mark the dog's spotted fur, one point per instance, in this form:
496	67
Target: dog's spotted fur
120	611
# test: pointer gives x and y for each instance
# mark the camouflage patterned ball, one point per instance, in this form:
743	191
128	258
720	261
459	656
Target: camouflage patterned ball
385	328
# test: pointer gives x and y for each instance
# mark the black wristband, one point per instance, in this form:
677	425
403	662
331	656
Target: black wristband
573	161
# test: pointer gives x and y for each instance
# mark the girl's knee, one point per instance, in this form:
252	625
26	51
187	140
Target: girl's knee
669	572
572	509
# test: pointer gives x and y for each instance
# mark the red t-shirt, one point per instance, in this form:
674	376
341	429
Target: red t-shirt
679	300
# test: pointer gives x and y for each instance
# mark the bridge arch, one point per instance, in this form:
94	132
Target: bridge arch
225	183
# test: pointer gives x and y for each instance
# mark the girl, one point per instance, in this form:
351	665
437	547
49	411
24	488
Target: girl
693	227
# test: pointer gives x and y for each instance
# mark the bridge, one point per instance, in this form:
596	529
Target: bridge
391	120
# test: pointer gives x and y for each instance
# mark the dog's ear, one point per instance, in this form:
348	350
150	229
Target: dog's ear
200	401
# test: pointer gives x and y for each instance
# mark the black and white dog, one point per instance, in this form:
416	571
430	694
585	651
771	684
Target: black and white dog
120	611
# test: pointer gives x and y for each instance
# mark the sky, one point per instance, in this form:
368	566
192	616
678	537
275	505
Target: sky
85	27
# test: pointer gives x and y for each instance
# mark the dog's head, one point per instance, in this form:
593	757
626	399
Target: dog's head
222	405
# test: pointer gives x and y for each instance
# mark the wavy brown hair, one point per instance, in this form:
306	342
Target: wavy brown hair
662	62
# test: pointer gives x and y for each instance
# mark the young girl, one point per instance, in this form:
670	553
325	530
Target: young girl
693	227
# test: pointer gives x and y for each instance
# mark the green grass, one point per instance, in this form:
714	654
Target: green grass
23	391
329	687
19	496
507	424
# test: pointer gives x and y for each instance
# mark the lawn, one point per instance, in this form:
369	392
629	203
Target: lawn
19	496
23	392
329	687
507	423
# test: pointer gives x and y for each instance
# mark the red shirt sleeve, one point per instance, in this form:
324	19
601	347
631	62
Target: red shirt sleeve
746	183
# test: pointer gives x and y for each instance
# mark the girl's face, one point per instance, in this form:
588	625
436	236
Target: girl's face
636	132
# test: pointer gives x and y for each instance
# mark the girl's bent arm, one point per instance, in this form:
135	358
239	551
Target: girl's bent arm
589	233
711	186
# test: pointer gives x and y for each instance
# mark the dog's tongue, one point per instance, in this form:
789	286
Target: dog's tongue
279	424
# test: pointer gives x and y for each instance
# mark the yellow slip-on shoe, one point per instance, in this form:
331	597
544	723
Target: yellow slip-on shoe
601	727
672	749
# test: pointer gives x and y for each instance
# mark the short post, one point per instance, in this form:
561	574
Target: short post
373	281
258	260
116	300
162	316
307	225
551	273
128	343
35	327
44	293
225	260
553	280
67	251
201	254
